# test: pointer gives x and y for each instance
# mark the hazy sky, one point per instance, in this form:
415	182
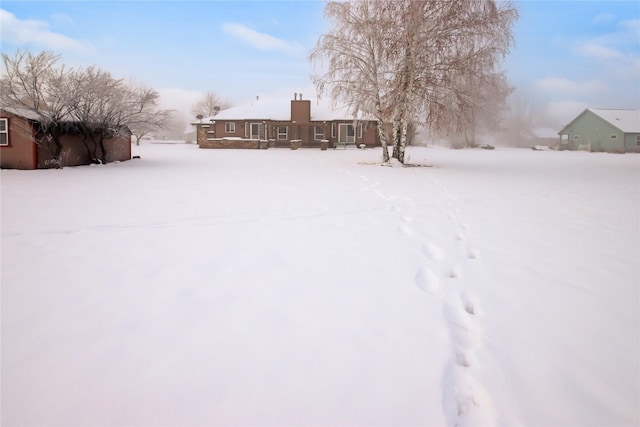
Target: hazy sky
568	54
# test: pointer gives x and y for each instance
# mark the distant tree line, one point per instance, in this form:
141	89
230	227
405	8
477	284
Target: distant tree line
88	101
416	62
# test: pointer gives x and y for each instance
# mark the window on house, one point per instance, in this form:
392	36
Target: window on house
4	132
613	136
230	127
359	130
282	132
638	140
333	130
318	133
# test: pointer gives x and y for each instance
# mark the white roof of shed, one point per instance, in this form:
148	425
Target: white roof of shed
628	121
27	113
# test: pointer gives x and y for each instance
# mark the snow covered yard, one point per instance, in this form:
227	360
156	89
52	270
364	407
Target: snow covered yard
224	287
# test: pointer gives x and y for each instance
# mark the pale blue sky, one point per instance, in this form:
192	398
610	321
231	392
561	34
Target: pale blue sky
568	54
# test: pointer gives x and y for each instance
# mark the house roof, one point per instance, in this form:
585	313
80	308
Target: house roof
27	113
628	121
279	109
263	109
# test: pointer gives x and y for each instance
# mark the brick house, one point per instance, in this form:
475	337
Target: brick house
20	129
277	122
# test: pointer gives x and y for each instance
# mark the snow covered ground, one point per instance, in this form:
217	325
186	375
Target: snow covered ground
308	287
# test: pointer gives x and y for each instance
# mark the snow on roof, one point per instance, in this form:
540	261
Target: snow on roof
279	109
323	110
628	121
262	109
27	113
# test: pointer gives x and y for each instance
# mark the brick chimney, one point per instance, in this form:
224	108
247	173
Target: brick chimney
300	109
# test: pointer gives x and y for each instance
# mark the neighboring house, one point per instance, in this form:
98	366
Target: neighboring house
279	121
615	131
21	145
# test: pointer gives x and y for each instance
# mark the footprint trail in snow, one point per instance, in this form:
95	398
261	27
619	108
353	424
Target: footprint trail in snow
465	402
441	274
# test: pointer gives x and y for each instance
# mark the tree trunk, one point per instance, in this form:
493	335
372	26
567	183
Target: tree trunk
90	144
50	142
383	142
404	106
396	138
57	154
381	132
103	151
403	139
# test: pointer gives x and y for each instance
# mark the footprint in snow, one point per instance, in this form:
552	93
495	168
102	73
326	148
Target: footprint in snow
456	271
463	360
465	403
470	308
474	253
433	251
468	304
427	280
406	230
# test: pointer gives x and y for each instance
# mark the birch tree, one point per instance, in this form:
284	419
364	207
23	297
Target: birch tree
426	49
354	55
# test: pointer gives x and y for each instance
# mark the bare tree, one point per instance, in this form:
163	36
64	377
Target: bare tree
457	47
105	106
88	101
209	105
36	85
481	112
426	49
143	115
523	114
98	108
353	51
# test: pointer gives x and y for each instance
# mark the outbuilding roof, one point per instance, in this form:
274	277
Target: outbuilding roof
628	121
27	113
